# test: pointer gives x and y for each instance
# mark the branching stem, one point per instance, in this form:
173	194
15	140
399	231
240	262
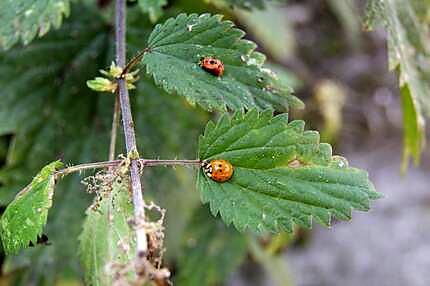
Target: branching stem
128	126
134	61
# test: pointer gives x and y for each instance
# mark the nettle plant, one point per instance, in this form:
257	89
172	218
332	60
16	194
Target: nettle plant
256	170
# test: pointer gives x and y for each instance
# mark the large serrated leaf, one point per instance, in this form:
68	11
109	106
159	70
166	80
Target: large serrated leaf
409	50
25	19
282	175
24	218
106	244
211	251
176	47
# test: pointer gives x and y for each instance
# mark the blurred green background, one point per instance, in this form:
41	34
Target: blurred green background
318	46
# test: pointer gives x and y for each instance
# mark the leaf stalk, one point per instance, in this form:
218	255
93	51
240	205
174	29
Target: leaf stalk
114	163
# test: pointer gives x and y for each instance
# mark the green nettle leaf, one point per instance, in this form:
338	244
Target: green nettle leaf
176	48
211	252
282	175
25	217
153	7
24	19
106	243
409	49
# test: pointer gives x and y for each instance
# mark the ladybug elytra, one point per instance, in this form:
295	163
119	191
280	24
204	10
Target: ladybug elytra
218	170
212	66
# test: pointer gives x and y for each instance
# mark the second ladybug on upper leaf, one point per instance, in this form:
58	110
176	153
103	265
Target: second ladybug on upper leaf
212	66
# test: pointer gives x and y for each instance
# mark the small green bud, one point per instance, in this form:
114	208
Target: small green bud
108	83
130	86
105	73
102	84
115	71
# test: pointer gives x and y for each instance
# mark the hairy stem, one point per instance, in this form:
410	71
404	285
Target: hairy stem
115	163
87	166
128	126
134	61
149	163
114	130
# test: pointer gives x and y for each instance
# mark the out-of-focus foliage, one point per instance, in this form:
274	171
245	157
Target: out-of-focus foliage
247	4
407	26
330	98
153	8
349	16
271	28
274	265
244	4
3	148
211	251
25	19
413	128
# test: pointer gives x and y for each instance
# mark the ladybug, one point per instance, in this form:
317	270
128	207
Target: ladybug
212	66
218	170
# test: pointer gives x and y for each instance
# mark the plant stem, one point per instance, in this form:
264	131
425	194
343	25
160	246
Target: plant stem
128	125
87	166
149	163
114	163
114	131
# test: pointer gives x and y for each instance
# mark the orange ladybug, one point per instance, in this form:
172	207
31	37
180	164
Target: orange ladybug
218	170
212	66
